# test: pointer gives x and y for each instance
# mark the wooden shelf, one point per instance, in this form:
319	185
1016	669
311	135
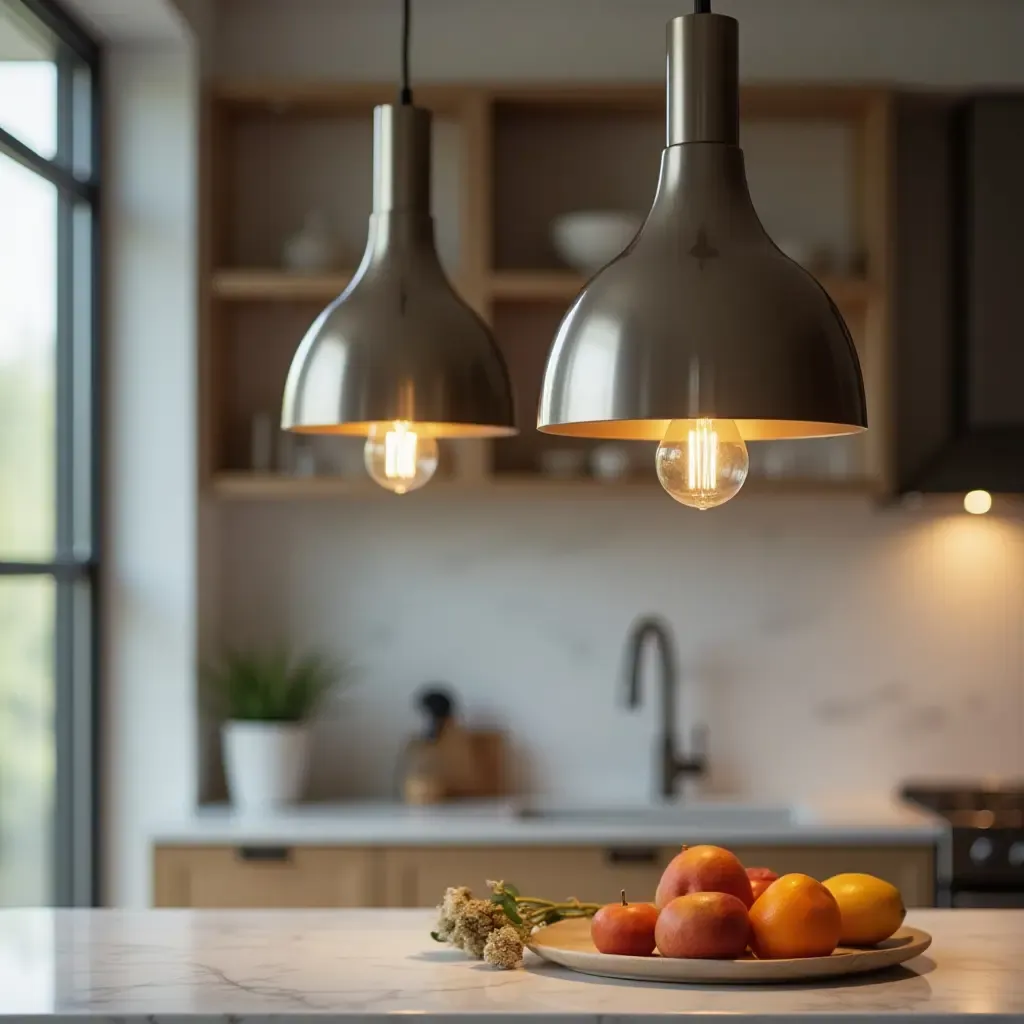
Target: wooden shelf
242	486
318	98
565	285
249	486
535	285
820	486
774	101
258	285
244	285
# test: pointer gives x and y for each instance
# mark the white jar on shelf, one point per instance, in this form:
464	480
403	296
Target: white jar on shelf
312	250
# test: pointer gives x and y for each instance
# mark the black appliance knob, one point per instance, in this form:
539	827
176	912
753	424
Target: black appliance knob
981	850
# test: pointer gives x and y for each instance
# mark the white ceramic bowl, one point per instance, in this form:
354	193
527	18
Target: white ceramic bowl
589	239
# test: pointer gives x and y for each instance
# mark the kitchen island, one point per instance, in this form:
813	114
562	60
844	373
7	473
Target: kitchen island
202	967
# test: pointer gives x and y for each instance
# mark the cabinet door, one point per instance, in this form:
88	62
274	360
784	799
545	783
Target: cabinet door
264	876
910	868
418	877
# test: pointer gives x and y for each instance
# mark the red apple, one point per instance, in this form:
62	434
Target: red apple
703	925
626	929
704	869
760	879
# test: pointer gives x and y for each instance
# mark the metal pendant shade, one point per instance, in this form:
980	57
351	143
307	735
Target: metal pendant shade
702	316
399	345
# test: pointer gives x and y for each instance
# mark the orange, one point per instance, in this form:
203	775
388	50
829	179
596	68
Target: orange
795	916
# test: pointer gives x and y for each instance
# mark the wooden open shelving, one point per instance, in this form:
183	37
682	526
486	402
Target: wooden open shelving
503	155
565	285
262	285
259	285
244	486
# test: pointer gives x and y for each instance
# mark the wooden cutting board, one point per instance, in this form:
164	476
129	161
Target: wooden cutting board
568	944
471	761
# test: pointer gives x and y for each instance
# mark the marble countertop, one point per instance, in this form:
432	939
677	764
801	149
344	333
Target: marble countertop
242	967
501	823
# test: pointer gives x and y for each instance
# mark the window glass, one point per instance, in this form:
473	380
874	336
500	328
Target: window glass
28	325
28	80
27	748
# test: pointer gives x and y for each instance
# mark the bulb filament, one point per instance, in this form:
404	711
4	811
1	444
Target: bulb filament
400	450
702	464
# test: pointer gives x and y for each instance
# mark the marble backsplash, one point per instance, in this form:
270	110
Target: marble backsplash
832	647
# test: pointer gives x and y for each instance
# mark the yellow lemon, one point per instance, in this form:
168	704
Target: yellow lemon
871	908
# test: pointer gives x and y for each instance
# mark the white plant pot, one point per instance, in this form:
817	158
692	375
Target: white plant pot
265	763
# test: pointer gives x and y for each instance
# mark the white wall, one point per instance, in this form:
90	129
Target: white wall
149	557
831	647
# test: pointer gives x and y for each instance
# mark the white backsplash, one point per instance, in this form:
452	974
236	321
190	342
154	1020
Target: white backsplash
831	647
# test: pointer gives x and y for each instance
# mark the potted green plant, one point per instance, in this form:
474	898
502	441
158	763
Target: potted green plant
266	699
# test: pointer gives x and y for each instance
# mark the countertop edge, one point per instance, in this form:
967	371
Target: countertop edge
442	827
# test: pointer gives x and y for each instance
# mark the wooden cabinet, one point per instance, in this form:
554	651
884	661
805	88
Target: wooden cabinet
418	877
509	160
910	868
261	876
264	876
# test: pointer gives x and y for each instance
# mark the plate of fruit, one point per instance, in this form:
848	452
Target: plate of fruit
715	922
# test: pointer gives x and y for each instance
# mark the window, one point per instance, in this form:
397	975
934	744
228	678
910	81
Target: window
48	456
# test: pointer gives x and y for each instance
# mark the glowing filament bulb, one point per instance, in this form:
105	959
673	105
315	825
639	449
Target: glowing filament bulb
400	446
399	458
702	462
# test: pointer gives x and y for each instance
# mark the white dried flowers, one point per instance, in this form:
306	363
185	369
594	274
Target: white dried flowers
496	930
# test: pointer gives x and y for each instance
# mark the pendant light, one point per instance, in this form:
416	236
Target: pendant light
398	357
702	335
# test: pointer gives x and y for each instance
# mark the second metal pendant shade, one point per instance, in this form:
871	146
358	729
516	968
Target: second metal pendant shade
399	345
702	316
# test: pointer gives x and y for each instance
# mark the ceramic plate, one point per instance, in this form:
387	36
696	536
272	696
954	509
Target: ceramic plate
568	943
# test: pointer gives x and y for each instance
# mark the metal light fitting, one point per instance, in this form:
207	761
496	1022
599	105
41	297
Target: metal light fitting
399	346
702	317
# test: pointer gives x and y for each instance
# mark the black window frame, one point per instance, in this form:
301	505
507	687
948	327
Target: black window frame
76	564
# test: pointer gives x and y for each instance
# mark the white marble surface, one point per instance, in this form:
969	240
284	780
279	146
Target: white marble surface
203	967
830	646
497	823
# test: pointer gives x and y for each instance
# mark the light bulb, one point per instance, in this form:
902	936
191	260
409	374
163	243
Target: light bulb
702	463
398	457
977	502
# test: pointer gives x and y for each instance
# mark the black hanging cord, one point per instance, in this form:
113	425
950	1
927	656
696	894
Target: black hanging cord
405	97
701	6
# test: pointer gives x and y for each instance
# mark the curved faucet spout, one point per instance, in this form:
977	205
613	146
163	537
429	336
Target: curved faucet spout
654	629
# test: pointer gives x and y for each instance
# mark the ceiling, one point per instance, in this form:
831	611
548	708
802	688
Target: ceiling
133	21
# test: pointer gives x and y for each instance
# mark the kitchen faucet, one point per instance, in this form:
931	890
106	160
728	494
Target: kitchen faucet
672	762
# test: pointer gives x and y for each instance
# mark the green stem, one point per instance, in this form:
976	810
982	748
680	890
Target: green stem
552	905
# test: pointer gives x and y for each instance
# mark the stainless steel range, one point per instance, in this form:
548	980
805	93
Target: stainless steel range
982	862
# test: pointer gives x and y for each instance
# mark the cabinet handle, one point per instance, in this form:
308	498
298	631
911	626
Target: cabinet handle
264	854
634	855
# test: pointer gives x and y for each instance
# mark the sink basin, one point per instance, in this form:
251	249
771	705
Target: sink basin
713	815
